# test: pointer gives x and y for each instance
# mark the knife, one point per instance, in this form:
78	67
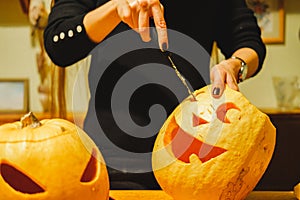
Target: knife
190	91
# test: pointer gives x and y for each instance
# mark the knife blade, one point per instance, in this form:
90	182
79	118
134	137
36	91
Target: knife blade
190	91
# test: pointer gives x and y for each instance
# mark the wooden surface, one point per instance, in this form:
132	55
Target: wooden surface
160	195
139	195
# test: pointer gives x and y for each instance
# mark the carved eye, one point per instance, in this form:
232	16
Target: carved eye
222	111
90	171
198	120
18	180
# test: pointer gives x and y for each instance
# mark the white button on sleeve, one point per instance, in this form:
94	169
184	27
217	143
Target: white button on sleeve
79	28
55	38
70	33
62	35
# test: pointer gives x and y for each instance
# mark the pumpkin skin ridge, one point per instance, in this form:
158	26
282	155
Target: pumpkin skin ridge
34	141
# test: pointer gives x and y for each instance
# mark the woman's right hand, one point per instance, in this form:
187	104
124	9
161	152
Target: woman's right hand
137	14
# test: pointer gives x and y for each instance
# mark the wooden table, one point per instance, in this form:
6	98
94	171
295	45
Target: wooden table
160	195
138	195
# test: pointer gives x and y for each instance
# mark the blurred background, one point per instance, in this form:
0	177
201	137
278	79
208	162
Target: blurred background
18	55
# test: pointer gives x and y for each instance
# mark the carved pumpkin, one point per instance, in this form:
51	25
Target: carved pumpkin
213	148
51	159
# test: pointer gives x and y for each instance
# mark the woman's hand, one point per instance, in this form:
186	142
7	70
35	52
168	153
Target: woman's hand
224	73
137	14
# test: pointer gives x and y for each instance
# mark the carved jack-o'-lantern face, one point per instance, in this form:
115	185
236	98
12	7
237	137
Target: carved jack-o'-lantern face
213	148
54	160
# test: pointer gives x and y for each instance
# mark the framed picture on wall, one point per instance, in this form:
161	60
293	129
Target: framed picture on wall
270	18
14	95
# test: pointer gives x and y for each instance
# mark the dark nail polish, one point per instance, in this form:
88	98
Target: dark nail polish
216	91
164	47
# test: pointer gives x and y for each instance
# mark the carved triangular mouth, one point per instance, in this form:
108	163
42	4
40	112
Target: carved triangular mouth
18	180
184	145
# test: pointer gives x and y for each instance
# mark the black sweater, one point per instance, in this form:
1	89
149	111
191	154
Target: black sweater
229	22
128	150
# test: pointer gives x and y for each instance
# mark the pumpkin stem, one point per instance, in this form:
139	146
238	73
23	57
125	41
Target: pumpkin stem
30	120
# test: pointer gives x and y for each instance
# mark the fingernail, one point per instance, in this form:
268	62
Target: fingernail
164	47
216	91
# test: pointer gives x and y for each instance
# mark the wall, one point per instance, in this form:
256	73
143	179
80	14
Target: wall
18	54
17	58
281	60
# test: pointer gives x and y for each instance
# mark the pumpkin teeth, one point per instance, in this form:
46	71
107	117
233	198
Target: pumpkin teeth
184	145
194	159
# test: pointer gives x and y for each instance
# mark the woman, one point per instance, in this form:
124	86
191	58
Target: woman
75	28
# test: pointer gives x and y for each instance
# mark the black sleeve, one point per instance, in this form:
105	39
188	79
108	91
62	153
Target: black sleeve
243	30
65	38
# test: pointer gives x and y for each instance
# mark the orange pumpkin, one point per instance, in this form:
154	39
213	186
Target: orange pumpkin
213	148
51	159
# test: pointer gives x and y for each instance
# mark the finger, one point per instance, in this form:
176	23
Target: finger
161	26
132	3
125	11
134	20
218	82
144	29
232	83
133	15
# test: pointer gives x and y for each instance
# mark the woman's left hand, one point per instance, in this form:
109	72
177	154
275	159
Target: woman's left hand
224	73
